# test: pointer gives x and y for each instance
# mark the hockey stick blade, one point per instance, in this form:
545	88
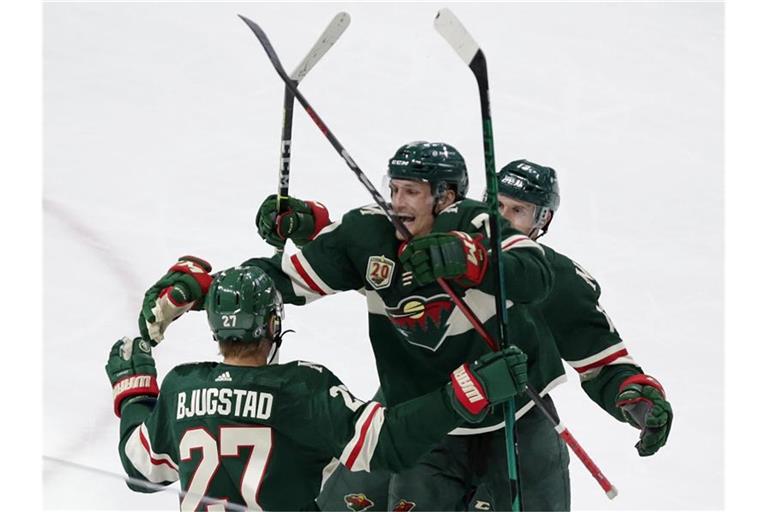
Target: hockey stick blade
330	35
328	38
449	26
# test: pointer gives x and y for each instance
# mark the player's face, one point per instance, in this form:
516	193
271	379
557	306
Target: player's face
412	201
521	214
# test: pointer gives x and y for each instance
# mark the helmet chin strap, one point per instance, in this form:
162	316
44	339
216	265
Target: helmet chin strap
541	224
438	195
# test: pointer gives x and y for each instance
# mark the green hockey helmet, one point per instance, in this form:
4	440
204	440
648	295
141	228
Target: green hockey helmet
531	183
243	305
439	164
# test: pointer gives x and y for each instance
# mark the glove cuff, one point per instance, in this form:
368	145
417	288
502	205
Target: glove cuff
133	385
642	380
476	257
321	216
468	391
197	268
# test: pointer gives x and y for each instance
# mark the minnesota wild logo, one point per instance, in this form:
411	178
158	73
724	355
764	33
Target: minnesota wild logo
404	506
357	502
422	321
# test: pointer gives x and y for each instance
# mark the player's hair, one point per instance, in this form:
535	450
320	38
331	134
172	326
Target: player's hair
238	349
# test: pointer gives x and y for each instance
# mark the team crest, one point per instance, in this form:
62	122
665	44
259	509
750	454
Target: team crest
357	502
422	321
379	272
404	506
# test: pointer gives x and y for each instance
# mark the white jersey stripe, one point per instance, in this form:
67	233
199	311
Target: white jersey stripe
519	242
358	452
301	286
155	467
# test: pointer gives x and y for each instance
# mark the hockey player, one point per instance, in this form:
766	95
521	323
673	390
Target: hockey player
586	338
243	433
416	332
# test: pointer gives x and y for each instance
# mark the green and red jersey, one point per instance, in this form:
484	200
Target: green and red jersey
418	335
266	437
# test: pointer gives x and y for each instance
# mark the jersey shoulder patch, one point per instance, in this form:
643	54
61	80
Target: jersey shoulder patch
568	272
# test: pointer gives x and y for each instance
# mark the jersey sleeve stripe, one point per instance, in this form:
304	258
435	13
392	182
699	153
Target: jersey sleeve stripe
301	273
602	358
357	454
519	242
155	467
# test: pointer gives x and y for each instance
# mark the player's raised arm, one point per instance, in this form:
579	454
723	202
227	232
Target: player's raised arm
144	455
366	435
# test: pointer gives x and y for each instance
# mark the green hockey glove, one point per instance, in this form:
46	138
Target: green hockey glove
181	289
131	371
643	404
492	379
453	255
298	220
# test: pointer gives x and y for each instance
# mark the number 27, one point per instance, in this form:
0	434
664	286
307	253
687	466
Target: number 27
231	439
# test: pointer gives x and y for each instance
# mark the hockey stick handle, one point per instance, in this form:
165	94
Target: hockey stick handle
285	147
572	443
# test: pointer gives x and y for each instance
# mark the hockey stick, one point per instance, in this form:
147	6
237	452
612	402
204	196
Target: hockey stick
449	26
149	486
399	226
564	433
330	35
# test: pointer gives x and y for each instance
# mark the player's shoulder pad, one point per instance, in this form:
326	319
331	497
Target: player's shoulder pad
466	215
367	217
182	372
465	207
306	377
568	271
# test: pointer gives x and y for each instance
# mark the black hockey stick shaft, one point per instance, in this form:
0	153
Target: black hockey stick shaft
399	226
285	147
330	35
457	36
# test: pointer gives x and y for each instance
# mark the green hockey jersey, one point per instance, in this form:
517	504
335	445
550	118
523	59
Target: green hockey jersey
418	335
266	437
584	334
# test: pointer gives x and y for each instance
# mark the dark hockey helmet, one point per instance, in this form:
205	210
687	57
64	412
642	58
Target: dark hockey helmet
243	305
438	163
531	183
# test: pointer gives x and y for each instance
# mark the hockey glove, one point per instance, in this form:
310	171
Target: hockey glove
298	220
492	379
453	255
181	289
643	404
131	371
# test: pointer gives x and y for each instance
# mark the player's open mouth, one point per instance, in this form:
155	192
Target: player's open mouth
406	218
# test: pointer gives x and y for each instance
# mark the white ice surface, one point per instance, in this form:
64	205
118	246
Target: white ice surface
161	137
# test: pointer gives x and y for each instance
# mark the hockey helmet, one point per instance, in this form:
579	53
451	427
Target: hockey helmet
243	305
437	163
531	183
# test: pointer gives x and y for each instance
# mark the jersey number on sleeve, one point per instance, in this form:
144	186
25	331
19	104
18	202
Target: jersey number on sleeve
352	403
231	439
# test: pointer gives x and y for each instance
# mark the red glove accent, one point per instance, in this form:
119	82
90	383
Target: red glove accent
476	256
197	268
468	390
133	385
643	380
321	215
